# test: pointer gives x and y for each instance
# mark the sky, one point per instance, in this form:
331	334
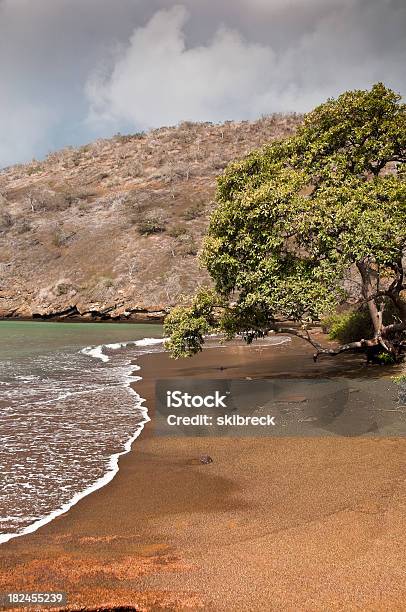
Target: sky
73	71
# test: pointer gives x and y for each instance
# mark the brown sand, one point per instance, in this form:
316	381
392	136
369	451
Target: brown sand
272	524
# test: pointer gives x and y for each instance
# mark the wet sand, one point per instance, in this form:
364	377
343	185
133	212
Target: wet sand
271	524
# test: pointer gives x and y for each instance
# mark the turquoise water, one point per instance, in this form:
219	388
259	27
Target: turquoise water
28	338
66	413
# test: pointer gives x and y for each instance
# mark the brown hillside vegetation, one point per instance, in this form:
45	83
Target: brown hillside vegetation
112	229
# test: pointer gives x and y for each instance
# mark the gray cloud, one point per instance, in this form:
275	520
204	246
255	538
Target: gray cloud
73	70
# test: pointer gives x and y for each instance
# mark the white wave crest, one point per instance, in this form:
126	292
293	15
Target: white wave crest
97	352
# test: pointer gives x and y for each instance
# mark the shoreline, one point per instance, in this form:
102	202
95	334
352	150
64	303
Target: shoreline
113	470
113	466
168	533
130	321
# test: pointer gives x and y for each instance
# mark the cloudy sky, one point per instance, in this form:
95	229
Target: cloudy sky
74	70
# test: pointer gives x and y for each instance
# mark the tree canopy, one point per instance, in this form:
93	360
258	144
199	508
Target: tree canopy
297	218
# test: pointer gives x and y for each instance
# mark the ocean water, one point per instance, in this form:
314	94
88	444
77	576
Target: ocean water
67	412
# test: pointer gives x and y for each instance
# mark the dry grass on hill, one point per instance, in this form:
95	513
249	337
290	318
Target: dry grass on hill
113	228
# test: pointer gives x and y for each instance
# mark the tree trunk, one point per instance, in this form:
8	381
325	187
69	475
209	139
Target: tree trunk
368	291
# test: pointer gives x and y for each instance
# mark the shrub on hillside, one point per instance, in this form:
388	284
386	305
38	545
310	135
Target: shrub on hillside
49	200
59	236
152	225
187	246
23	226
177	230
6	221
194	212
63	288
348	326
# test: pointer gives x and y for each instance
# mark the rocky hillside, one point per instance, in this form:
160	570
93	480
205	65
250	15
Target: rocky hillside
111	230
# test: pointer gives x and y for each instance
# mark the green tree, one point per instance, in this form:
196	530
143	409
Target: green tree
298	217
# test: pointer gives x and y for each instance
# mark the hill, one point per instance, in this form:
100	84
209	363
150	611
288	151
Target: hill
111	230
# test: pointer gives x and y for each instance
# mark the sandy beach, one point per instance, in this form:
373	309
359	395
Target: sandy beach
272	524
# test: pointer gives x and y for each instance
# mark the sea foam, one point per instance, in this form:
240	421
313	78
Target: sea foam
105	381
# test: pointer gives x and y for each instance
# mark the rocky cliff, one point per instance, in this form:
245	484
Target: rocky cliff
112	230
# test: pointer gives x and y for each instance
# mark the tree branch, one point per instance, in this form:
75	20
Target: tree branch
300	333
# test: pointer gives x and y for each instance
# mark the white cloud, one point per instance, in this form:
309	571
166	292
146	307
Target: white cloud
159	80
229	60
